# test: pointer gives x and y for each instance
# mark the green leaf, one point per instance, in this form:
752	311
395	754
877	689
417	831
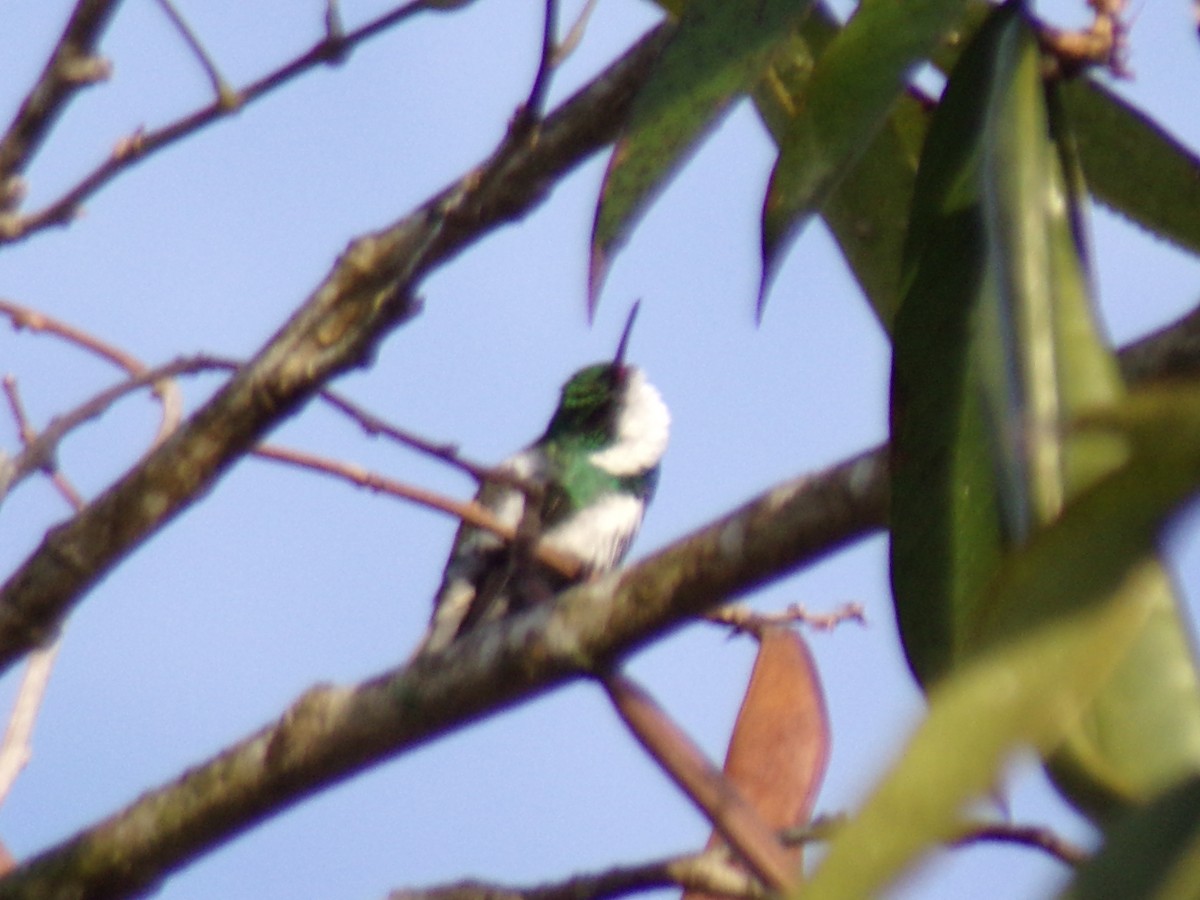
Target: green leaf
946	540
1134	166
1154	854
1067	606
852	90
1043	360
717	54
867	212
1028	691
1049	364
996	351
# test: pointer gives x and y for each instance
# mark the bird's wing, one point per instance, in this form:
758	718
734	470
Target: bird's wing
477	571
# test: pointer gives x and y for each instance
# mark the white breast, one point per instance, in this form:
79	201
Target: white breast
600	534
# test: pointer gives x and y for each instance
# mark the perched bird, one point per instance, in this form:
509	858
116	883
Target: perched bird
597	466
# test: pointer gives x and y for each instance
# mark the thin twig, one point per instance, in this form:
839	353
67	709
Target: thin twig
1037	837
16	749
468	511
335	32
709	872
375	426
39	453
29	437
743	618
226	95
536	102
165	390
574	34
448	453
330	49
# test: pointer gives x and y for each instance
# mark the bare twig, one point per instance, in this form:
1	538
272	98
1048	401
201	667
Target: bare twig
24	429
29	438
164	389
331	48
39	451
23	317
16	747
1036	837
1103	43
709	872
574	34
72	66
448	453
375	426
703	783
226	95
535	103
468	511
742	617
335	32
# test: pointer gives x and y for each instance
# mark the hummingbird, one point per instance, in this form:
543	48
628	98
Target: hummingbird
596	465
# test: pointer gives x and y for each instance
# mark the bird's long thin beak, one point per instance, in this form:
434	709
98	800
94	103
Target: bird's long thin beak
619	359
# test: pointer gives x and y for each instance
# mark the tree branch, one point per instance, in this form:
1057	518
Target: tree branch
331	49
369	292
73	65
710	872
332	732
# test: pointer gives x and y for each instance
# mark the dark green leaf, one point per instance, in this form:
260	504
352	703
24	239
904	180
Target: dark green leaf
945	523
1154	854
1134	166
996	353
717	54
852	89
1066	606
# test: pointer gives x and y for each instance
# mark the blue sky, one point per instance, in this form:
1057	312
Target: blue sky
280	578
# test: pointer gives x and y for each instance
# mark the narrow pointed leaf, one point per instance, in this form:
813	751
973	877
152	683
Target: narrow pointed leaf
853	88
867	211
1135	167
718	52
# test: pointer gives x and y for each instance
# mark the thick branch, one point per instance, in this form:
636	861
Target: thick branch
367	294
332	732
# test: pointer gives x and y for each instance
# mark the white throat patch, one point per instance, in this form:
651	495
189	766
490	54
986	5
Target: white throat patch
643	426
